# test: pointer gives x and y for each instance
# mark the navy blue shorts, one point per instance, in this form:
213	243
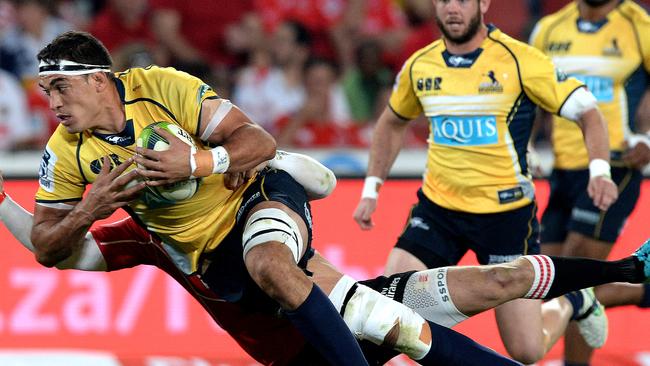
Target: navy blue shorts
571	209
440	237
226	274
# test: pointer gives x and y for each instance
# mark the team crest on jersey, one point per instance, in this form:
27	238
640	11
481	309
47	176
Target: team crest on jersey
557	47
491	86
46	170
612	49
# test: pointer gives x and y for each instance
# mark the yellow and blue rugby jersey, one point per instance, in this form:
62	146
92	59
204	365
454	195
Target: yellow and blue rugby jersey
71	161
481	108
612	57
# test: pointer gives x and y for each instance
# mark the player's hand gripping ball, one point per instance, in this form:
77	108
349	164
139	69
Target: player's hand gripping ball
149	139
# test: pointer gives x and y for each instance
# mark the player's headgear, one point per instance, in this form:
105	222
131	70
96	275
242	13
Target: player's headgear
74	53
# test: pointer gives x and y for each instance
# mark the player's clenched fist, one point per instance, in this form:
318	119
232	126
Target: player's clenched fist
603	191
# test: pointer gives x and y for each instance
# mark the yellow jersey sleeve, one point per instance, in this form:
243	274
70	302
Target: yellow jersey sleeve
59	177
403	100
545	85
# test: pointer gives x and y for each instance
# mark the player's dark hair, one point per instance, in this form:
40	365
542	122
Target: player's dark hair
76	46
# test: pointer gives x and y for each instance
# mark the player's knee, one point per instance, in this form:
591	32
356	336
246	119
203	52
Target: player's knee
503	280
267	266
525	352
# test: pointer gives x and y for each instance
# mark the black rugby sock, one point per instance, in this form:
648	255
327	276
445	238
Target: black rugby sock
449	347
577	273
322	326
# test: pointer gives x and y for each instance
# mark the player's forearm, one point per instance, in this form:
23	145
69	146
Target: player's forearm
247	147
594	130
19	222
387	141
57	238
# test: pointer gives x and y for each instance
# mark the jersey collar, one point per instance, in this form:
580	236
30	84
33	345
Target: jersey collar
124	138
461	61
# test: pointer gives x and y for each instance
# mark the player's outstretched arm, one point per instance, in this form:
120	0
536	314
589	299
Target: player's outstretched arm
19	222
601	188
59	233
387	140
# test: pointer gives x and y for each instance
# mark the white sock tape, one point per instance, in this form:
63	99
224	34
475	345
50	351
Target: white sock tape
371	187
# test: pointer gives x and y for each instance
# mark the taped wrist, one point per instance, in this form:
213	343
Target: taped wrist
207	162
639	138
371	187
598	168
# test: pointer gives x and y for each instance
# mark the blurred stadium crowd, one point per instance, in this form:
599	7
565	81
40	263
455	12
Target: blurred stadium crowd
315	73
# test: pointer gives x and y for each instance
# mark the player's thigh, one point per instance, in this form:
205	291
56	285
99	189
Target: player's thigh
400	260
566	186
580	245
432	238
605	226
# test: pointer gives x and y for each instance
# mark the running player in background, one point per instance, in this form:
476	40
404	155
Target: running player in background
605	44
479	89
438	294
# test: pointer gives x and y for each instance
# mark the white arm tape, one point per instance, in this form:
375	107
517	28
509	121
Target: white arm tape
220	160
598	168
580	101
217	117
371	187
638	138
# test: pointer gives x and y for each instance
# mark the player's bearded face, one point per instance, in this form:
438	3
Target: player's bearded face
458	22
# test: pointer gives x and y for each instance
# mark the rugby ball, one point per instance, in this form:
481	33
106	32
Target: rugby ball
149	139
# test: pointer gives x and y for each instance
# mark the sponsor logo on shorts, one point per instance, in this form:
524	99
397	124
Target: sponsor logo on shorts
464	130
584	216
308	215
493	258
418	223
248	202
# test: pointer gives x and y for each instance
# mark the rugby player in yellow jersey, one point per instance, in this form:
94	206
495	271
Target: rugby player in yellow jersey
605	44
248	246
100	116
479	89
